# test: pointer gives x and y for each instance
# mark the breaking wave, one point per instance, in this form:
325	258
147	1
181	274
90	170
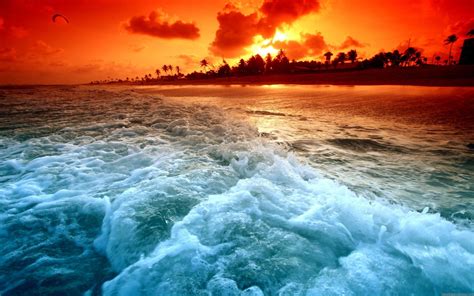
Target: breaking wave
157	198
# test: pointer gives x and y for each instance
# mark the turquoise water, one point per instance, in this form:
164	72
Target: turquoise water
283	190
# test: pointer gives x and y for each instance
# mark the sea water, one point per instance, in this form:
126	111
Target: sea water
236	190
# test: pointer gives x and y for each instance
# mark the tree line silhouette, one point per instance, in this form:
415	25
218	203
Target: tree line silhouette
280	64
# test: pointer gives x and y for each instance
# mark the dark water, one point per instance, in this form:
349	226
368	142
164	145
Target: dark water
281	190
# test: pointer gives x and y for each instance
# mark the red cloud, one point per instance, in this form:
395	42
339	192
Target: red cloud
293	49
461	28
315	43
157	26
237	30
277	12
350	42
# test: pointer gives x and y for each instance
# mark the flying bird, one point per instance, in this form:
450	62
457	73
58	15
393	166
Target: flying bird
54	17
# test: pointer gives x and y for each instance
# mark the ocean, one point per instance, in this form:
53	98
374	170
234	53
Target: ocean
236	190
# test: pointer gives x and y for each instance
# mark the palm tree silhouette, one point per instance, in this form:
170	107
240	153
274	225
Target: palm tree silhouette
170	67
268	63
328	56
177	70
409	55
437	58
352	55
165	68
341	57
450	40
204	64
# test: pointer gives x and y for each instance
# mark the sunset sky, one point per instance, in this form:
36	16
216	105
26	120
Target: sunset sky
119	38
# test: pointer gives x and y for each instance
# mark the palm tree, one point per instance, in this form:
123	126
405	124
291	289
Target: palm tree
178	70
204	64
158	72
437	58
352	55
165	68
396	58
341	57
268	63
409	55
328	56
450	40
170	67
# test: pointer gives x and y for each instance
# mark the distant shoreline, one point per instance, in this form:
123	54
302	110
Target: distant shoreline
462	76
436	76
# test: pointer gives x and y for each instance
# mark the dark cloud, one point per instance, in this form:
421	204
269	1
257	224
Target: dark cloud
350	43
157	25
237	30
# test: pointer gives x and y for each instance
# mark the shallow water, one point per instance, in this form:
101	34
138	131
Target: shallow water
261	190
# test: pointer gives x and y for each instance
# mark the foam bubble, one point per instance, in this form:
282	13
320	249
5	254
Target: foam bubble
144	196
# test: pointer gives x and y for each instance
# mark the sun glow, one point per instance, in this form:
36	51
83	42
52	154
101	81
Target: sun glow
264	50
273	44
280	36
263	46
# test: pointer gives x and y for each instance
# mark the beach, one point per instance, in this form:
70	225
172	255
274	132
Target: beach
236	148
429	76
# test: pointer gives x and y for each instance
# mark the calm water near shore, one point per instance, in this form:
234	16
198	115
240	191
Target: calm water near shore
229	190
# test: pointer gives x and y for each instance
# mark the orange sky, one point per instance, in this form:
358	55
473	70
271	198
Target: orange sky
118	38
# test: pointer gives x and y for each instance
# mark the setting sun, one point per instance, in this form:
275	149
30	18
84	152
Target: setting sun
262	47
280	36
270	46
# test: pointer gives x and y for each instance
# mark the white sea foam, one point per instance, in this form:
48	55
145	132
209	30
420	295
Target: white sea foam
283	227
158	198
